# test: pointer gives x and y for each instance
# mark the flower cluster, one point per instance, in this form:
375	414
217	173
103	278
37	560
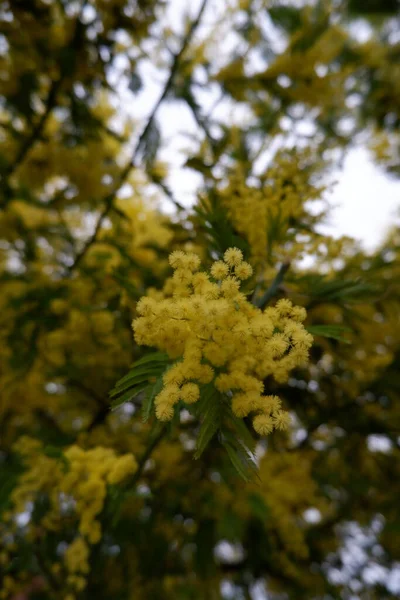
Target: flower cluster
222	338
86	480
79	478
76	485
76	561
263	215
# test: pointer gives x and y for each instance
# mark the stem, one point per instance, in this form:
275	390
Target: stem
273	288
146	455
141	464
37	130
103	406
169	194
201	121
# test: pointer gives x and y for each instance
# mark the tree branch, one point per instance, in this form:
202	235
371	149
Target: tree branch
37	130
141	465
103	406
133	162
201	120
146	455
273	288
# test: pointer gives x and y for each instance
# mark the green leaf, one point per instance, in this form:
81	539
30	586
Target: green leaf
336	290
133	380
204	404
242	463
240	455
209	428
216	415
143	371
154	357
241	431
211	407
330	331
286	17
128	396
214	221
148	402
258	507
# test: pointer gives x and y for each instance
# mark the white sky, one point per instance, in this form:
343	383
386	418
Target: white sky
366	200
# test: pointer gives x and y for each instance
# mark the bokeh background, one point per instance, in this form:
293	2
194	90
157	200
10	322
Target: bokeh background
133	128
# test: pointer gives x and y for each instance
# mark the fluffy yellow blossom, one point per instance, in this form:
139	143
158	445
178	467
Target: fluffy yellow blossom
263	424
77	582
76	556
164	410
123	467
281	419
243	270
218	336
262	215
184	260
219	270
233	257
190	393
82	479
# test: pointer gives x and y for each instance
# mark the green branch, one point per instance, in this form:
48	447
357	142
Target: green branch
274	287
146	455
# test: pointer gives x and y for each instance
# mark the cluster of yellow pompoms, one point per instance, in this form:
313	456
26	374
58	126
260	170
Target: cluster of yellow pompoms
222	338
79	478
280	199
86	480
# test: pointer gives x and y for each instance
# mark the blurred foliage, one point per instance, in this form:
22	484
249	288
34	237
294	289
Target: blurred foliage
97	501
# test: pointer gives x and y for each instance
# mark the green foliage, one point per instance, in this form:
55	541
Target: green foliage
240	457
11	469
372	8
216	416
210	408
286	17
336	290
85	169
213	221
334	332
145	375
148	401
